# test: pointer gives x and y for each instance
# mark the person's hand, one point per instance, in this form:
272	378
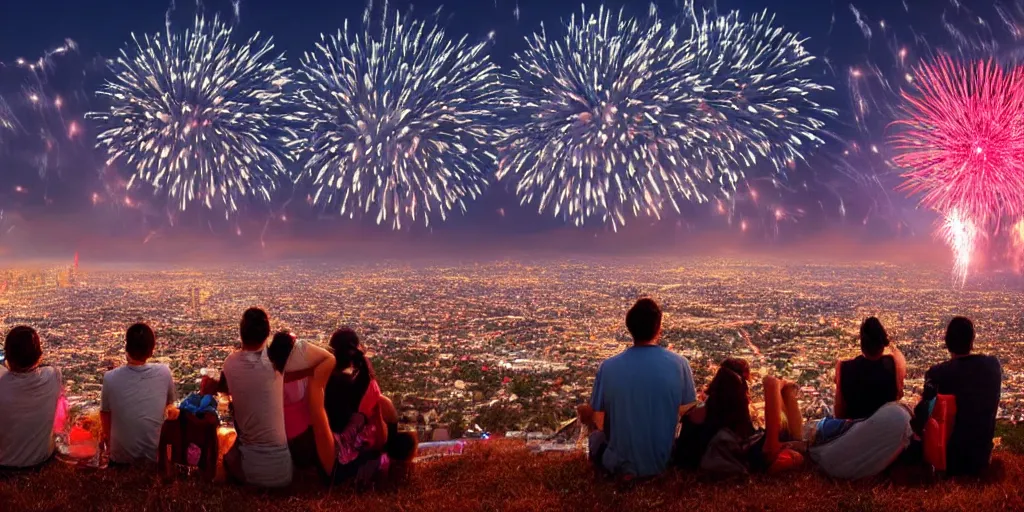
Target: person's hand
171	412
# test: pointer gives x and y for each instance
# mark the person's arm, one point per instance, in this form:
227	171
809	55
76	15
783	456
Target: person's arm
923	409
597	400
377	418
318	415
370	406
689	390
901	370
839	410
306	356
171	410
105	420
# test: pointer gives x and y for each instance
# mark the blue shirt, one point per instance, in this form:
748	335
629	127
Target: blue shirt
640	391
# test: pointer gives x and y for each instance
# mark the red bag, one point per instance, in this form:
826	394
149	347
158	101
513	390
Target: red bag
938	429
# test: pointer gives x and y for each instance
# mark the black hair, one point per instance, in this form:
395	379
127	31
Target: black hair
344	392
22	348
254	328
140	342
280	348
728	398
873	338
644	320
960	336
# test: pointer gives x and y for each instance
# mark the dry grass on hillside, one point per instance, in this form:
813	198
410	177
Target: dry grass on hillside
502	475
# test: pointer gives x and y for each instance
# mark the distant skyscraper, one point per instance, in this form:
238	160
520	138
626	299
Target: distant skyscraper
73	274
195	299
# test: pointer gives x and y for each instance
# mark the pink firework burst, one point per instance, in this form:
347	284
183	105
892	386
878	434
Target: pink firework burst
962	139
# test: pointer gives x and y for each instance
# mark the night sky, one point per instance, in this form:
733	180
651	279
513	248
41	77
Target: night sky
102	27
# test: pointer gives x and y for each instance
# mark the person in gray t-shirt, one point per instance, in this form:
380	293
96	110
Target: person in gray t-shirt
29	395
260	454
135	400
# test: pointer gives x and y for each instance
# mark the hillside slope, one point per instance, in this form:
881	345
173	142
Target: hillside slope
503	475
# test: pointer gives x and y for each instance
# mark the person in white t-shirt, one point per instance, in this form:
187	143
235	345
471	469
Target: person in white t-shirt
135	400
260	455
29	394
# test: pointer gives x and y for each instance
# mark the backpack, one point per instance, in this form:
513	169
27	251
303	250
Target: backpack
725	454
938	429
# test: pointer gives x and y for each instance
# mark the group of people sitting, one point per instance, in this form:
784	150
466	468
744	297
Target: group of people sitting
298	405
644	414
294	405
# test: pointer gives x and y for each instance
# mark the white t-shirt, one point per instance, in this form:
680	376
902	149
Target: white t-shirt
257	393
136	397
28	402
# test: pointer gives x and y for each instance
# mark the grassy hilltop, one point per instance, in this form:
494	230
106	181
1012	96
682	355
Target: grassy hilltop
504	475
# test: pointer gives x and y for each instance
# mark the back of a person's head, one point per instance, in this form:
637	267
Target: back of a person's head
644	321
139	342
960	336
280	348
344	343
22	348
738	366
348	352
873	338
728	399
254	328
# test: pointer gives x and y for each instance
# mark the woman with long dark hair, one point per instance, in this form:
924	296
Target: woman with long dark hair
364	422
727	409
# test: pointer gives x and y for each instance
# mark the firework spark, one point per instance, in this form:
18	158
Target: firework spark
7	119
753	71
623	116
401	119
199	118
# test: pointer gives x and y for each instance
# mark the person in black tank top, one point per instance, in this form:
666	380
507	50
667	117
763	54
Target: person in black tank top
869	381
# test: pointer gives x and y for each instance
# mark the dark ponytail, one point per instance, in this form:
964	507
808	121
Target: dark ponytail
347	351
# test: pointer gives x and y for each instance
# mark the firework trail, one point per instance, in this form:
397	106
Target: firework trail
8	122
41	106
401	119
961	234
753	71
621	117
198	117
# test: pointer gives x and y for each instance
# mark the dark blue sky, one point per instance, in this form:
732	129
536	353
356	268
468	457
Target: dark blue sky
102	27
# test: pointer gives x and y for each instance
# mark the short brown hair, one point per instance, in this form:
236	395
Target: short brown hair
140	341
254	328
644	320
22	348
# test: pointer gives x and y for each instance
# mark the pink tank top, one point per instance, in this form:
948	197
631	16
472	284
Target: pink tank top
296	410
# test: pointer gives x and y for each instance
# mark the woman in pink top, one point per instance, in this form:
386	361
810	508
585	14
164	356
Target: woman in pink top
297	425
353	400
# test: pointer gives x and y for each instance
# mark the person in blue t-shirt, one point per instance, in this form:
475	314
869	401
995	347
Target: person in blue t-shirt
637	400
